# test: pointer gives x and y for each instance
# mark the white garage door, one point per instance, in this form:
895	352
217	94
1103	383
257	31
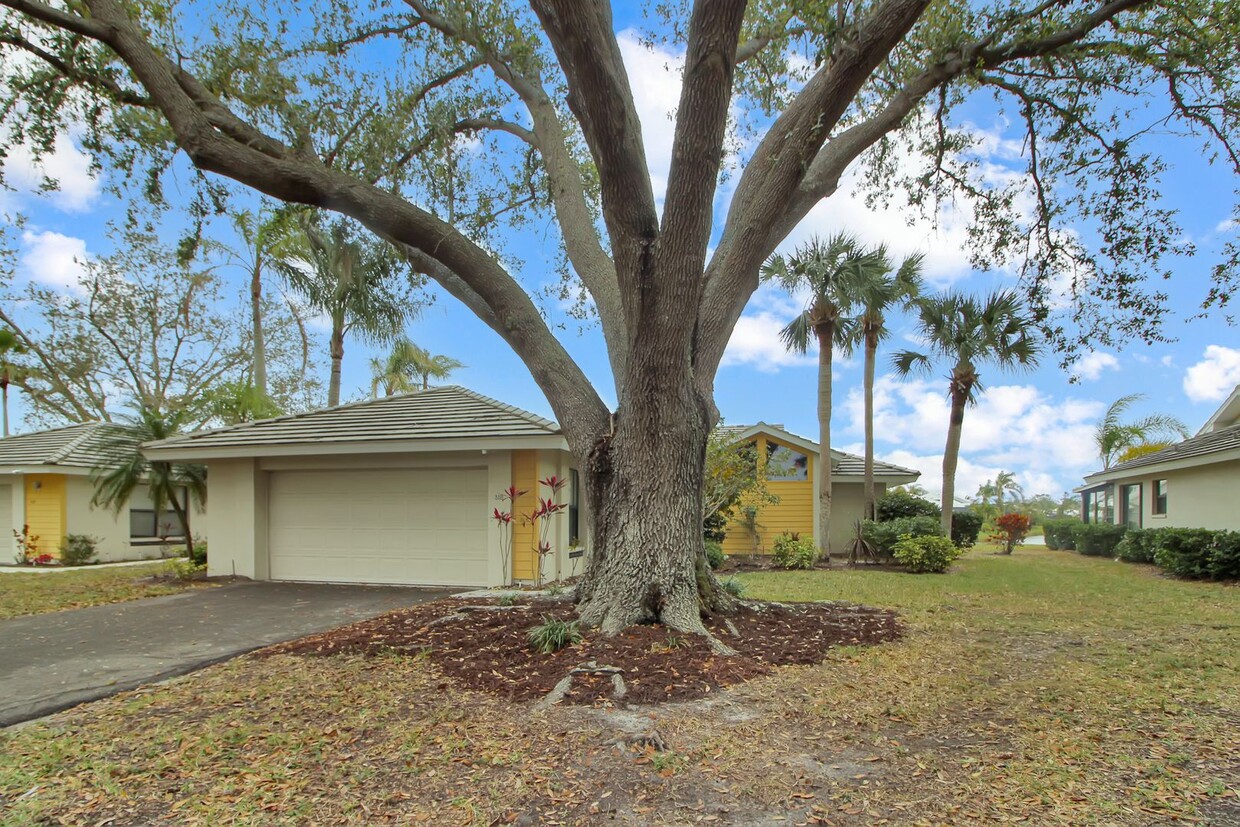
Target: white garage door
425	527
8	548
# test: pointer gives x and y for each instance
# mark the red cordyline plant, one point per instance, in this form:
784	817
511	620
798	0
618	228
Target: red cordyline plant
1012	529
504	518
541	516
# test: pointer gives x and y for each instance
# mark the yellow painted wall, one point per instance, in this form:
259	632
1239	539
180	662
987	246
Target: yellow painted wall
794	512
524	478
45	510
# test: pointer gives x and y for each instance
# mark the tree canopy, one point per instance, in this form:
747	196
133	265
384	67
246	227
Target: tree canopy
440	126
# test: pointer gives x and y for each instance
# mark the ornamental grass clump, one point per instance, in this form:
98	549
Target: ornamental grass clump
928	553
554	634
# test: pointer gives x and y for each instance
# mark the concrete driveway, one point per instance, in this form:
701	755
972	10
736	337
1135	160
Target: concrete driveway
54	661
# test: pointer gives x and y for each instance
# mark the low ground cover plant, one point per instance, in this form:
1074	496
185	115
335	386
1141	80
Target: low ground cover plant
714	554
554	634
930	553
792	552
78	550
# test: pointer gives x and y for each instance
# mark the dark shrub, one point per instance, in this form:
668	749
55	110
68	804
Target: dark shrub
78	549
1058	533
715	526
199	557
1097	539
884	536
896	504
1225	557
714	554
1138	545
1186	552
965	527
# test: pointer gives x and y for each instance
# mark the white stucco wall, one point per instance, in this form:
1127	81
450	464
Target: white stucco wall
12	507
1207	496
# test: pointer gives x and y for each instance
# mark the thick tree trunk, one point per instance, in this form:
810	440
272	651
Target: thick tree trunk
871	354
256	313
826	340
951	455
643	483
337	354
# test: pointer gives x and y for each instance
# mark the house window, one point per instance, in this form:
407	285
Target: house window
784	464
1160	497
145	523
574	507
1099	506
1130	505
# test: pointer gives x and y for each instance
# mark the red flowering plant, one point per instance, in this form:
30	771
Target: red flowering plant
504	519
1011	530
541	516
28	547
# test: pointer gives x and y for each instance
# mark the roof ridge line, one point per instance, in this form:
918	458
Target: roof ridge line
88	430
529	416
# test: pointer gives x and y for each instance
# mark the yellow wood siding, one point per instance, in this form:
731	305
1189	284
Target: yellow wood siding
794	512
524	478
45	510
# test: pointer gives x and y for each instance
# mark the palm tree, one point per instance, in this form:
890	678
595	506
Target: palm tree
362	286
1113	436
1006	483
128	469
263	234
876	290
409	367
968	333
826	270
10	373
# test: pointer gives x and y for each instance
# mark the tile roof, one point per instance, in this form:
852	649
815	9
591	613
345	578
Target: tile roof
1210	442
842	463
448	412
73	446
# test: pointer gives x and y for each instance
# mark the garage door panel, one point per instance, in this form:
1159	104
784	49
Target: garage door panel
8	547
382	526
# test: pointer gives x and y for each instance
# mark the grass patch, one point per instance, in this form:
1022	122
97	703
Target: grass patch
1042	688
31	593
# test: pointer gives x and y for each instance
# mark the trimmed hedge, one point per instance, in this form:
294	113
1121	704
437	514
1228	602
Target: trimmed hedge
885	535
896	504
1058	533
965	527
926	554
1198	553
1097	539
1137	546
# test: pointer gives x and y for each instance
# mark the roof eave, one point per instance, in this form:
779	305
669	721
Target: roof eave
1113	474
188	451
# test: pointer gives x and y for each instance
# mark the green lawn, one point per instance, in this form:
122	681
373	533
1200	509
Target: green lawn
29	593
1043	688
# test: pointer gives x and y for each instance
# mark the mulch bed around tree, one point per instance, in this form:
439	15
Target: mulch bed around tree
488	649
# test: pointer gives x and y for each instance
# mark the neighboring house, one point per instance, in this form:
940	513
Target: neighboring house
394	490
1192	484
45	485
793	466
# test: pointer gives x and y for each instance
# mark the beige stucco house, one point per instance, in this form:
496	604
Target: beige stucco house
397	490
45	487
1192	484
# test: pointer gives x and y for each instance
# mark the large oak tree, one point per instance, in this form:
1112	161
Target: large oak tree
360	109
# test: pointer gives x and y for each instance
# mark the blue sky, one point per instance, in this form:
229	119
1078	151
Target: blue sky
1036	424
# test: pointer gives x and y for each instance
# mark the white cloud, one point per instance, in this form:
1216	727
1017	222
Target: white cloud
54	259
1047	443
76	186
755	339
1214	376
1167	361
654	76
1091	365
1226	225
